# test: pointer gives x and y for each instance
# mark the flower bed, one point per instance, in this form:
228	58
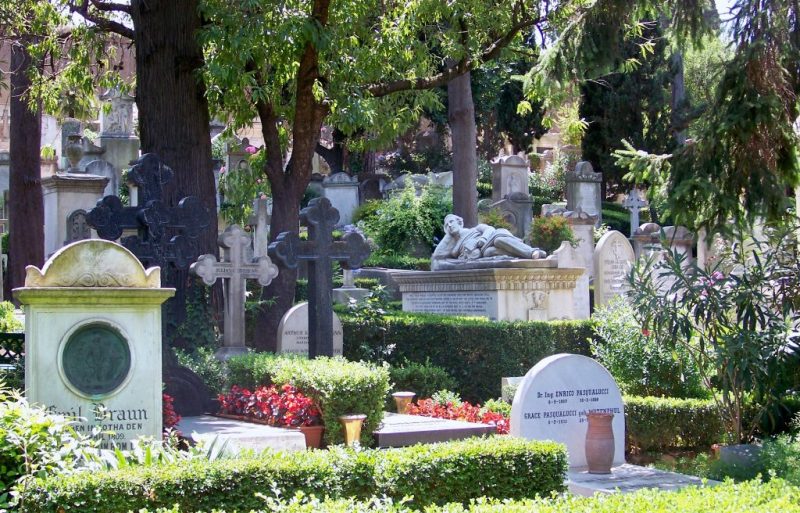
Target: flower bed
284	407
463	411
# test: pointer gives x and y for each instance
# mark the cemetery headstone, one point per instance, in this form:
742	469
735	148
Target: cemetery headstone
647	240
320	251
634	202
613	257
342	191
293	331
237	265
583	189
77	227
260	221
509	176
93	340
63	194
517	209
554	397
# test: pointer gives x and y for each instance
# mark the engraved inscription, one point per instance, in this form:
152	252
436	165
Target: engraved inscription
483	304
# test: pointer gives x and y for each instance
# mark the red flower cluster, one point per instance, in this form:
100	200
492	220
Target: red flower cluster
170	418
284	407
464	411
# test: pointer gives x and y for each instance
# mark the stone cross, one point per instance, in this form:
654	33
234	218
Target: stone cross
237	265
260	220
320	251
633	202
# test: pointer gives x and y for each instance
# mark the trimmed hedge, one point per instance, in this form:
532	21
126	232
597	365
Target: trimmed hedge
749	497
499	467
337	386
476	352
301	286
660	423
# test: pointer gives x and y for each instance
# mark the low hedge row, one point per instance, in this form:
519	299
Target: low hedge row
499	467
337	386
476	352
660	423
748	497
301	286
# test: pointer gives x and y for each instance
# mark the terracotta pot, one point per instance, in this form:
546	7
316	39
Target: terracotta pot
599	442
313	436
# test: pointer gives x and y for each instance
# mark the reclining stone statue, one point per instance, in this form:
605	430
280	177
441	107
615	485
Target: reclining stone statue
481	246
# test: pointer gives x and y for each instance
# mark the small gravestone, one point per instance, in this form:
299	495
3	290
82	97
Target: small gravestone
509	176
93	340
583	190
77	227
613	257
633	203
342	191
554	397
237	265
293	331
320	251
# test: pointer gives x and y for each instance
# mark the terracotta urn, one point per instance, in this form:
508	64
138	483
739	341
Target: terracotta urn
599	442
352	427
403	400
313	436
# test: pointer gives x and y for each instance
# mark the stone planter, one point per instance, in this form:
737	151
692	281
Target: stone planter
352	427
599	442
313	436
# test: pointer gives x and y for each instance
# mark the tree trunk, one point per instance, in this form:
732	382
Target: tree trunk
173	111
335	157
461	117
25	204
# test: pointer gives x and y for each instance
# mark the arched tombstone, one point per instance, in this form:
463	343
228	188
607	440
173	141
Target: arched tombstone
552	401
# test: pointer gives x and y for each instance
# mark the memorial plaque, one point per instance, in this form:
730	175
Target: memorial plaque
613	257
293	331
96	360
554	397
470	303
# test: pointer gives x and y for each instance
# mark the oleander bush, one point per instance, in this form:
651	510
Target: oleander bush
748	497
475	351
500	467
337	386
661	423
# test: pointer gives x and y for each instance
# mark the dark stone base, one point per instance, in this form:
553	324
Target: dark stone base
190	394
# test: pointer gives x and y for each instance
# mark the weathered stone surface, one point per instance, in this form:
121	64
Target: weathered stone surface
342	191
583	190
552	401
613	257
509	176
293	331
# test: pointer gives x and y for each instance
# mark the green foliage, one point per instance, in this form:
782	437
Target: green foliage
781	455
435	473
205	364
240	186
734	319
405	220
8	322
551	183
476	352
337	386
198	328
432	159
642	365
4	243
497	406
703	67
662	423
493	217
301	287
548	232
424	379
750	497
398	261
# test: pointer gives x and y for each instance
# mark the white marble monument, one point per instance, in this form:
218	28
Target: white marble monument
554	397
342	191
613	257
293	331
509	176
93	340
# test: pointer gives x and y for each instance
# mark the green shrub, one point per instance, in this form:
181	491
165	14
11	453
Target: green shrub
398	261
548	233
658	423
456	471
421	378
475	351
8	322
781	455
205	364
494	217
642	365
337	386
301	286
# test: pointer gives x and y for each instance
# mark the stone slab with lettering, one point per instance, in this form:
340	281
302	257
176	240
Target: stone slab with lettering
93	340
613	257
552	401
293	331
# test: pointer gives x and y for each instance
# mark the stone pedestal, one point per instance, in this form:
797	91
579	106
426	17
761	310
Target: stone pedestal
93	340
539	292
342	191
509	175
64	194
646	240
517	210
583	190
582	225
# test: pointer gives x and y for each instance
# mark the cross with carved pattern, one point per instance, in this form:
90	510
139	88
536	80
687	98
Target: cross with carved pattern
152	218
320	251
237	265
634	203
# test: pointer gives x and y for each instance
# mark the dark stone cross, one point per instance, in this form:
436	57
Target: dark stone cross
320	251
166	235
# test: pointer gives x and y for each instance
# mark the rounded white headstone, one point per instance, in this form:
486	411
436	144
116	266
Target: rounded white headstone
552	401
293	331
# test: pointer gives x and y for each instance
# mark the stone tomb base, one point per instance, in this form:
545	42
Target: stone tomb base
628	478
540	293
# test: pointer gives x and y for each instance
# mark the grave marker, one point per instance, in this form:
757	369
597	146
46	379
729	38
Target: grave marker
320	251
552	401
293	331
634	202
613	257
237	265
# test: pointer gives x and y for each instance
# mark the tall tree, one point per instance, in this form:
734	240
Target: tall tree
461	117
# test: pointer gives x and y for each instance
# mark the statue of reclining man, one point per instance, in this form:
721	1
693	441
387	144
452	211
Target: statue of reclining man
480	244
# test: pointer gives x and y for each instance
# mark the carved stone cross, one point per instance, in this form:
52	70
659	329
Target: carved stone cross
320	251
634	202
237	265
260	221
